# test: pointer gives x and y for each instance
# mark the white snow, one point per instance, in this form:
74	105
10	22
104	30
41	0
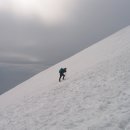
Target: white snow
94	96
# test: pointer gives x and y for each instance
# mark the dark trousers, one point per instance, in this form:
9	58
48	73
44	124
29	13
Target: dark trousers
61	75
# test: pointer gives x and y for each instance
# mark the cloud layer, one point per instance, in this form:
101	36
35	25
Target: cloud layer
48	11
34	42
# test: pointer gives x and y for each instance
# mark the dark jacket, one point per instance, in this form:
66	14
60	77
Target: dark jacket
62	70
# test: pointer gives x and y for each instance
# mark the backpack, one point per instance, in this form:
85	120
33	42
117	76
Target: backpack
61	70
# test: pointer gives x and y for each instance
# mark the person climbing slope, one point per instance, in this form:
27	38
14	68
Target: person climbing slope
62	72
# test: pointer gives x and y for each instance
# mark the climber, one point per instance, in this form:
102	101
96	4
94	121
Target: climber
62	72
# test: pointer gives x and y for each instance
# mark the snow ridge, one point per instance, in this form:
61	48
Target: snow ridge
95	96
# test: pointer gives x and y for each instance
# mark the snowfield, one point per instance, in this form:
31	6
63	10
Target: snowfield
94	96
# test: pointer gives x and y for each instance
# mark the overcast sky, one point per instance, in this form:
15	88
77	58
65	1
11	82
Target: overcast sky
36	34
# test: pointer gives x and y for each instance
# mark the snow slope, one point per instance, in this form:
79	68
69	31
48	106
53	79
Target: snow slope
95	96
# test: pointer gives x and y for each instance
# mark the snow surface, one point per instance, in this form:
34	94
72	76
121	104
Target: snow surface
94	96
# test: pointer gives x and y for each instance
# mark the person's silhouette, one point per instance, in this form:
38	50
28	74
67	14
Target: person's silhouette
61	72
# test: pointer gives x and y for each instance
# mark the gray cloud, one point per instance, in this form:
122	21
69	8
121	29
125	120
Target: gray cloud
91	21
14	74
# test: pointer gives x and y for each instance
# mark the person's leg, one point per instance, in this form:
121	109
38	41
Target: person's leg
63	76
60	77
